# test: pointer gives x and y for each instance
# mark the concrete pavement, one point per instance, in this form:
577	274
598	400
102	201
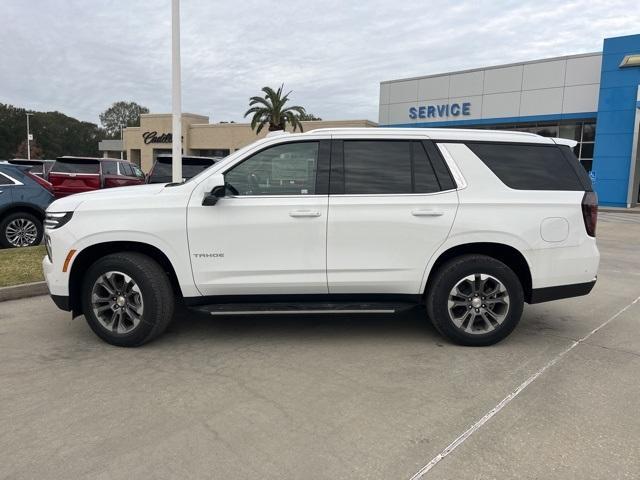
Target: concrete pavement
329	397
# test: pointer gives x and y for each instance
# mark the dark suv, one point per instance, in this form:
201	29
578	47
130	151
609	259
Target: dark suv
23	199
191	166
71	175
38	167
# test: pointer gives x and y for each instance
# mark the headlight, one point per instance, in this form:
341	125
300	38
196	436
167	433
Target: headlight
47	244
55	220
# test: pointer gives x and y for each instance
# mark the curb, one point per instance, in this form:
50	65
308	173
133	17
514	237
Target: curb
25	290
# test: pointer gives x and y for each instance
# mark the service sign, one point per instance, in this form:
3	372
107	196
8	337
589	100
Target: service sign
441	111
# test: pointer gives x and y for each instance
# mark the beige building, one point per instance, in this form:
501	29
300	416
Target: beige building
199	137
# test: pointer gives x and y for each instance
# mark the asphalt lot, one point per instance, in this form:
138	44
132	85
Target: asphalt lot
331	398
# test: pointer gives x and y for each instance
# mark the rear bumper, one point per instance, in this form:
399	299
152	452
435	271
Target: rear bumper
547	294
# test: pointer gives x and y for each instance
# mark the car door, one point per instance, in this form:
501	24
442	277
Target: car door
268	234
389	211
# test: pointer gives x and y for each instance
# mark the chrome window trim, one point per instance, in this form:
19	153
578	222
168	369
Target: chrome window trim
453	167
439	192
276	196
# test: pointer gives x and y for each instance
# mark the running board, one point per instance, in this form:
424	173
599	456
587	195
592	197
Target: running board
301	308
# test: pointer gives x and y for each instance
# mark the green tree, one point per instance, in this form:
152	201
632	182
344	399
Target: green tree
55	133
306	117
271	110
121	113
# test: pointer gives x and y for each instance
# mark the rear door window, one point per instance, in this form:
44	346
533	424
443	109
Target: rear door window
109	168
76	166
374	167
528	167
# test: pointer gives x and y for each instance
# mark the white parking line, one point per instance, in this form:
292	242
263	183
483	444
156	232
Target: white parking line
506	400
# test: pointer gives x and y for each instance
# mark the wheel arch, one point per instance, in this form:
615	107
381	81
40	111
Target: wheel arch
90	254
22	207
507	254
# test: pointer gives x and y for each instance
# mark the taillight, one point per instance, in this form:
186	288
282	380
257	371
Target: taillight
41	181
590	212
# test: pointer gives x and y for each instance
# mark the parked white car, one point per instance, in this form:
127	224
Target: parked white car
470	223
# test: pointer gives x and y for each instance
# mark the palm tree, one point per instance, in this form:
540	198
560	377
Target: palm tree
270	109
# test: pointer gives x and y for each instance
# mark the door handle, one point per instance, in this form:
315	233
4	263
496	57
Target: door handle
304	213
427	213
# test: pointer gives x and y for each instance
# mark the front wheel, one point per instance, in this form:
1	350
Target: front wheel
475	300
20	229
127	299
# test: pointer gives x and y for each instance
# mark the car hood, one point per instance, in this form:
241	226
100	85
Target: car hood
72	202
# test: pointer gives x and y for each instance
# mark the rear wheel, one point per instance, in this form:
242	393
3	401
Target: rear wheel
475	300
127	299
20	229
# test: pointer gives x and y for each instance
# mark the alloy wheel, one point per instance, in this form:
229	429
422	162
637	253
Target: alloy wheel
478	303
21	232
116	301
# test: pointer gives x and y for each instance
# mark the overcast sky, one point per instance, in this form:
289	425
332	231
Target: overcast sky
78	57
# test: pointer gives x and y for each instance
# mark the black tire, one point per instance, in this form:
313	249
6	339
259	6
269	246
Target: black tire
157	297
456	270
27	217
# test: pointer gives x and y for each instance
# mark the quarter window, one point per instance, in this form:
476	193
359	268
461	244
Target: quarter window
125	169
286	169
5	180
424	177
528	167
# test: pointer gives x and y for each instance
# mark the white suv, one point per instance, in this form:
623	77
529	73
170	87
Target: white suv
469	223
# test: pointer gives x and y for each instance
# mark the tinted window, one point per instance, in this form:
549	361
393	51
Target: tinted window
125	169
76	166
288	169
109	168
137	172
4	180
424	177
528	167
36	170
162	172
375	167
581	170
439	165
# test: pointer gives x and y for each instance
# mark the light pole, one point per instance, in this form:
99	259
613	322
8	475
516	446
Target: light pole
28	138
121	141
176	96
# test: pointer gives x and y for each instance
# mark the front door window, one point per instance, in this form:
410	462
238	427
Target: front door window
288	169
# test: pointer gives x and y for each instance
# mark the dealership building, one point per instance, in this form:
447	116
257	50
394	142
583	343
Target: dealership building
592	98
199	137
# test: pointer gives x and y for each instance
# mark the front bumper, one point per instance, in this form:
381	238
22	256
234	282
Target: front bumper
62	302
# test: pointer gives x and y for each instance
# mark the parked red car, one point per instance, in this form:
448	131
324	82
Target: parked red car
71	175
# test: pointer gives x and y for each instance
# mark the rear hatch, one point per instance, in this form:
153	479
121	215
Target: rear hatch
74	175
161	171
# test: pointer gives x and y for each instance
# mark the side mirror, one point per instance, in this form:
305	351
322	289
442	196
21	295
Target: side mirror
215	189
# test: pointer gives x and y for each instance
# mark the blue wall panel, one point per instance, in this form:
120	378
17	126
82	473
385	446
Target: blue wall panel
615	121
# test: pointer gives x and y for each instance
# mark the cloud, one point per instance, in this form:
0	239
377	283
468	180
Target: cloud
78	57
